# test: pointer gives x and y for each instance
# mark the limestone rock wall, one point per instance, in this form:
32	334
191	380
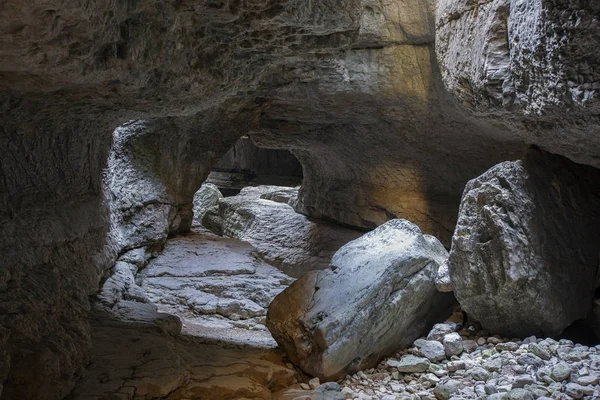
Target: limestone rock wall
154	169
535	62
379	138
245	156
55	245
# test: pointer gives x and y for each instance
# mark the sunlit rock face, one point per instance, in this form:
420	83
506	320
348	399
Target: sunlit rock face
534	64
379	138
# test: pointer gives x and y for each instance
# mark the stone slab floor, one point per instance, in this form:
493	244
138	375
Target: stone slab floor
220	291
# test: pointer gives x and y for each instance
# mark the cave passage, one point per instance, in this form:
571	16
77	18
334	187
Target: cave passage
301	199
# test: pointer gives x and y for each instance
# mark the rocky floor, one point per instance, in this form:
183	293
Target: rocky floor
217	287
471	364
134	361
221	349
220	291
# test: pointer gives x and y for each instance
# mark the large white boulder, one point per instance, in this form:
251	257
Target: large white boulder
377	296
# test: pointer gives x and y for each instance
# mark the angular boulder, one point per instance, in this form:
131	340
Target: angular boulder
524	255
204	199
263	217
377	296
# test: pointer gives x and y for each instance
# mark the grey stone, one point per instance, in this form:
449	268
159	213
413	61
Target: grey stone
530	359
469	345
408	364
494	364
508	346
578	391
490	389
511	209
380	284
432	349
445	390
522	380
560	372
455	365
205	198
439	331
540	351
480	374
453	345
519	394
586	380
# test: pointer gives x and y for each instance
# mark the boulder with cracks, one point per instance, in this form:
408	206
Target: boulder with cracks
524	256
377	297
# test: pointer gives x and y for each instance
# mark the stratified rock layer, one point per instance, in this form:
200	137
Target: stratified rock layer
133	361
283	237
378	296
217	286
524	256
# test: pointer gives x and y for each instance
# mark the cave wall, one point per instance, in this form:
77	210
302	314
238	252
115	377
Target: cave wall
244	156
532	66
156	166
54	241
380	138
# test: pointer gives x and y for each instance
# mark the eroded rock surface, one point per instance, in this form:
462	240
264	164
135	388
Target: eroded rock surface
154	169
535	62
377	296
524	256
55	245
186	322
283	237
204	199
133	362
353	89
217	286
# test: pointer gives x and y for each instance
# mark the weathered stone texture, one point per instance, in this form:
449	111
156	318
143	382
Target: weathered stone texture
283	237
524	258
533	62
353	88
377	296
